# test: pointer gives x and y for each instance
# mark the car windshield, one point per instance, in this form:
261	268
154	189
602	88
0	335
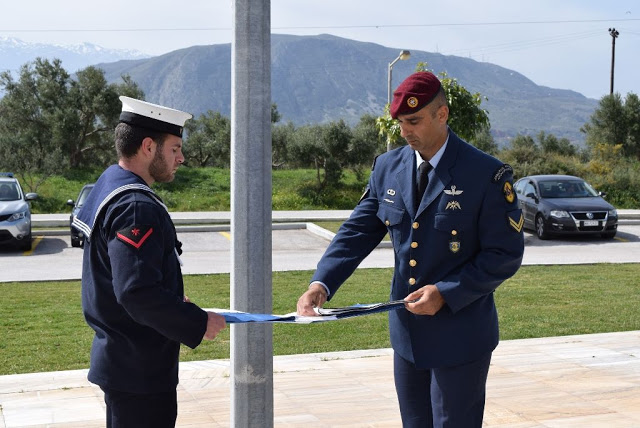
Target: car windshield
83	196
566	189
9	192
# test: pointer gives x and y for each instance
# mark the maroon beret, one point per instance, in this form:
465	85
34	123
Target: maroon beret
414	93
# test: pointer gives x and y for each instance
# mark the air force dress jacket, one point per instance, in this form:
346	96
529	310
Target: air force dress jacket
465	237
132	289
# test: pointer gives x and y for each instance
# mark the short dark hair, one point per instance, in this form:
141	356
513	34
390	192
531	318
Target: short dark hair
439	100
129	138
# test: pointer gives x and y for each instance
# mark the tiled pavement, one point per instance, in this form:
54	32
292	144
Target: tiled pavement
571	381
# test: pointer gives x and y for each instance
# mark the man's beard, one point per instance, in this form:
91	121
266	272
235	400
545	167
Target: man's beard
158	168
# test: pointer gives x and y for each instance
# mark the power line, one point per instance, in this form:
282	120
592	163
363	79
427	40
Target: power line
461	24
327	27
526	44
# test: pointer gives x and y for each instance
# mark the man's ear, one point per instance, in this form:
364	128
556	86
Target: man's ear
148	147
443	113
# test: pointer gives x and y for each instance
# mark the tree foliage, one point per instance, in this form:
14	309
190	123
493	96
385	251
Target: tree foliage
485	142
51	121
281	140
466	117
208	141
616	122
366	143
323	147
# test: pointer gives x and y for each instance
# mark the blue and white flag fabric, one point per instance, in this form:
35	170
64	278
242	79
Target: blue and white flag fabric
324	314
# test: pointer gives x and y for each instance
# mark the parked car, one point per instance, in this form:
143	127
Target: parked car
564	204
15	213
77	237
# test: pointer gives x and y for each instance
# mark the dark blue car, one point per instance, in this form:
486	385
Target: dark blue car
77	237
564	205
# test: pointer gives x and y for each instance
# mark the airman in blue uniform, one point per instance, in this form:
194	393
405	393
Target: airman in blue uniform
454	245
132	289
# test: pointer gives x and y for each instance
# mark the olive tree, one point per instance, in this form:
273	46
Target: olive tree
616	121
208	140
51	121
325	148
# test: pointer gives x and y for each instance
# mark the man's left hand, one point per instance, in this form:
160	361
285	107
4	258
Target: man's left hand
428	301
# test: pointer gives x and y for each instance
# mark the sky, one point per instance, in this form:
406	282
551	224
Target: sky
563	44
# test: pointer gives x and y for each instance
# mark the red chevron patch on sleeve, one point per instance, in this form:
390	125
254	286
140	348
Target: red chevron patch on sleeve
135	235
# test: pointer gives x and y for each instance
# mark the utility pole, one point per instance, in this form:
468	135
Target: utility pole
614	35
251	288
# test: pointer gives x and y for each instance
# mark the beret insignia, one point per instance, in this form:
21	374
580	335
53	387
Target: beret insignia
135	235
412	102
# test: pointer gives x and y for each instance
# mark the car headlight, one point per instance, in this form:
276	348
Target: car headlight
18	216
559	214
613	213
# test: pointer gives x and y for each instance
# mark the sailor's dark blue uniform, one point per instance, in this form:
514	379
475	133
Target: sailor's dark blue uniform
132	289
465	237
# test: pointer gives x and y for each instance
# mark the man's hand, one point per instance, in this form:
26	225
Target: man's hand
215	323
429	301
314	297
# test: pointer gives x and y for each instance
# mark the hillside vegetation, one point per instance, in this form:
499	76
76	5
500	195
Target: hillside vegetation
209	189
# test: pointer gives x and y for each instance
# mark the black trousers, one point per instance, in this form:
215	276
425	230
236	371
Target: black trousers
127	410
449	397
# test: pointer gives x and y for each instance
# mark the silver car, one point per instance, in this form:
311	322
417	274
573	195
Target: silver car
15	213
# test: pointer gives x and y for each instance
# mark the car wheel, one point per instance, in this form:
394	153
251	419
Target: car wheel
608	235
541	229
25	244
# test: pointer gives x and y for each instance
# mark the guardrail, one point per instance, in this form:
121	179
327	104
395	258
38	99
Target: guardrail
628	217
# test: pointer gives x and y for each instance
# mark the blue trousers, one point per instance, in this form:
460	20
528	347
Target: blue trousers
448	397
127	410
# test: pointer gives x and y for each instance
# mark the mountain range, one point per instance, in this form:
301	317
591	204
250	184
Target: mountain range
325	78
15	52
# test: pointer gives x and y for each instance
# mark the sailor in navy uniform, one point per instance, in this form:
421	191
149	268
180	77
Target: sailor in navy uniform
453	247
132	289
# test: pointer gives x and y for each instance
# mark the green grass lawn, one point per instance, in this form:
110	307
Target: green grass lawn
209	189
42	328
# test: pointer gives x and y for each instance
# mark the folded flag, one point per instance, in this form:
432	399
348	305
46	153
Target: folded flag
324	314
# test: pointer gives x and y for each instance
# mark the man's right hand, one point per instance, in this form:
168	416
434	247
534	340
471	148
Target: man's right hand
215	323
314	297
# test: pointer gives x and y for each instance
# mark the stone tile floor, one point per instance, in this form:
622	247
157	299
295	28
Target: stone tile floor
571	381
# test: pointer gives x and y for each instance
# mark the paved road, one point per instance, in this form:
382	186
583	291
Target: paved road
296	247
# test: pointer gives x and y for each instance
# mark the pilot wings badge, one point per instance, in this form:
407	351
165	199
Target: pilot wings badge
453	191
453	205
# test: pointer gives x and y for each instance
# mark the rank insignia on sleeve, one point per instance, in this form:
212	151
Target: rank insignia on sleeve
516	220
135	235
507	189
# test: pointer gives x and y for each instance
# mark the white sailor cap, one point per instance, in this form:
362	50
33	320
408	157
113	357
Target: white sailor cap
152	116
